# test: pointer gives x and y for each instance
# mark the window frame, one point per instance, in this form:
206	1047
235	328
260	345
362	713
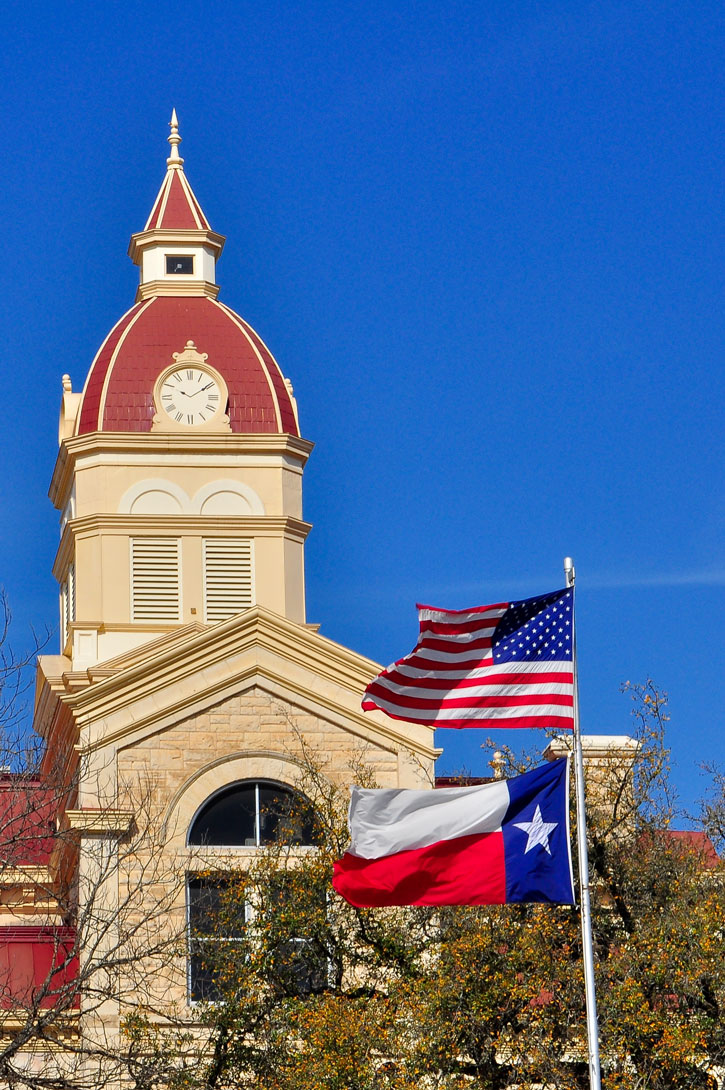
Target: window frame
200	940
316	978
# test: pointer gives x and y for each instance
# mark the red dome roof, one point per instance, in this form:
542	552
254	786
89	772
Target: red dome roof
118	394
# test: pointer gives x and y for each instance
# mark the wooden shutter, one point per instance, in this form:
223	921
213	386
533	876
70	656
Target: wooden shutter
228	577
155	579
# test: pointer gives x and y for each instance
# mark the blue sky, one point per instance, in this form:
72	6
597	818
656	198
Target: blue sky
485	243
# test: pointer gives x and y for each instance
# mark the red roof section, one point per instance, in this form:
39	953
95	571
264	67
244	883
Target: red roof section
692	841
118	395
27	821
38	965
176	208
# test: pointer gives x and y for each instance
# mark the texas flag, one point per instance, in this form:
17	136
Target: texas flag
496	843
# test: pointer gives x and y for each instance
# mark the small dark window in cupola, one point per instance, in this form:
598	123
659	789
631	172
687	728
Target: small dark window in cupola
180	264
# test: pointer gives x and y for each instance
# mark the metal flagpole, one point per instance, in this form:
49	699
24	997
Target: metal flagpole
595	1078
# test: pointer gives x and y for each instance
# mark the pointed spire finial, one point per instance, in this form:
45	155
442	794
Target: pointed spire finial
174	139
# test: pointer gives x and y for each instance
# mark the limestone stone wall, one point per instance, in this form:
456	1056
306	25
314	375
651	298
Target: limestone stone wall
250	735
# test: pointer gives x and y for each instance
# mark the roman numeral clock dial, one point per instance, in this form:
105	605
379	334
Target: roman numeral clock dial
190	395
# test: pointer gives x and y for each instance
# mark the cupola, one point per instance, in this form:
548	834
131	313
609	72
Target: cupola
179	474
177	306
177	249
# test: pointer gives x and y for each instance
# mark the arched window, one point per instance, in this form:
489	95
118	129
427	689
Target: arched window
252	814
249	814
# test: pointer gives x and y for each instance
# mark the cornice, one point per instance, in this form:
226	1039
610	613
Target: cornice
49	684
224	443
151	288
143	239
36	876
98	822
256	628
292	529
64	1030
172	637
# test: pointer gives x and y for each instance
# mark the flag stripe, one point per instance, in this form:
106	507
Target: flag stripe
471	686
429	613
468	717
503	698
485	675
459	631
452	643
468	871
384	821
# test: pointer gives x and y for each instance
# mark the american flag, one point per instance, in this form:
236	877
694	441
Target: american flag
506	665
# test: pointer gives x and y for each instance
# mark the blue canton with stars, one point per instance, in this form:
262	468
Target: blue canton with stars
536	629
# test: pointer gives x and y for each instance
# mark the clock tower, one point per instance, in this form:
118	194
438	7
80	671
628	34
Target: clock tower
179	475
187	677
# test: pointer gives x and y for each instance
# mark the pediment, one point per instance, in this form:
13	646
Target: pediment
148	692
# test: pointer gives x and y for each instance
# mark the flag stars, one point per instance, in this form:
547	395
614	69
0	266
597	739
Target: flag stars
535	628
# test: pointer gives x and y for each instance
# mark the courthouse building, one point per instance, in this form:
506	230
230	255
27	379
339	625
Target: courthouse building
188	676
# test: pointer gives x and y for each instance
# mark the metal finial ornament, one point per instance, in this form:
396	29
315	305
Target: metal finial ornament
174	139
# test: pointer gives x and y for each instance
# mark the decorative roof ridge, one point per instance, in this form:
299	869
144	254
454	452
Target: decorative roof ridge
255	643
186	211
218	640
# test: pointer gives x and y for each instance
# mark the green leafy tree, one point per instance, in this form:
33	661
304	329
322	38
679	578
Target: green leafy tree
305	990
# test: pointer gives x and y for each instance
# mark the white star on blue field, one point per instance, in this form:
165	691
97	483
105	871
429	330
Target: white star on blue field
536	628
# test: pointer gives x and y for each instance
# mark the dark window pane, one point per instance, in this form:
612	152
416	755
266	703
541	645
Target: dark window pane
181	264
210	914
203	906
285	816
299	967
227	819
203	986
298	963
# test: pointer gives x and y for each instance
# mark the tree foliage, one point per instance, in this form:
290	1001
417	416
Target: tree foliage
309	991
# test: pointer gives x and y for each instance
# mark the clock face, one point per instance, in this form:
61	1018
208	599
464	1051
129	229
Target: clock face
190	395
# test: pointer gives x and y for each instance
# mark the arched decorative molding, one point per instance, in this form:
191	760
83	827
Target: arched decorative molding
221	773
154	496
227	498
156	502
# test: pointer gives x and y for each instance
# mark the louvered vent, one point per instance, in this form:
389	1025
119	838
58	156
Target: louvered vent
71	593
63	617
228	577
68	604
155	579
